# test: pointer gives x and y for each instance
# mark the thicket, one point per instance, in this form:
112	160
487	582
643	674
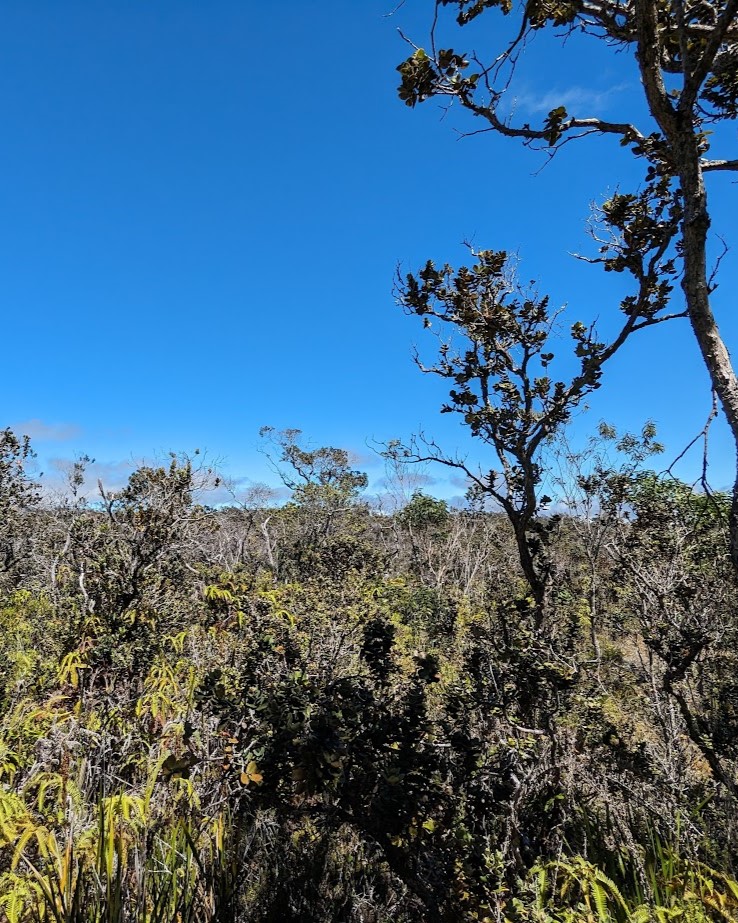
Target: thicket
320	711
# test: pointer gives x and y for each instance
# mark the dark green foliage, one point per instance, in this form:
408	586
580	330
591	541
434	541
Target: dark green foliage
423	512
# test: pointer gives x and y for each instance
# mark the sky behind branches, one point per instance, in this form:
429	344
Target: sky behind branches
202	207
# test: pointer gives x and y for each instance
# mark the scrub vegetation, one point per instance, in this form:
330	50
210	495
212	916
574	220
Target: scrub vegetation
322	711
523	708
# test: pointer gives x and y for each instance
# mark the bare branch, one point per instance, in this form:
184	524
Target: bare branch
708	166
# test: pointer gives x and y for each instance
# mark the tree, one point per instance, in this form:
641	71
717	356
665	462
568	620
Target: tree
132	550
673	570
324	510
500	369
19	496
321	476
687	55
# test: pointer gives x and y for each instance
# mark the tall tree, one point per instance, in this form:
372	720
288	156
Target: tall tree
496	352
687	55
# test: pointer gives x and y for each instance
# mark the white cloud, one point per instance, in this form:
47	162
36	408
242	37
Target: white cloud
113	475
39	431
584	102
416	482
363	460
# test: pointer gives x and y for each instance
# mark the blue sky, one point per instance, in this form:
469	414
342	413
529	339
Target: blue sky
202	206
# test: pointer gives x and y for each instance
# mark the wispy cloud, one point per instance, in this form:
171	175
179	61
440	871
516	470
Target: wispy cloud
418	481
112	474
364	459
242	491
40	431
581	101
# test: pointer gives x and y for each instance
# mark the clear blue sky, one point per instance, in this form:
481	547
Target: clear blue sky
202	205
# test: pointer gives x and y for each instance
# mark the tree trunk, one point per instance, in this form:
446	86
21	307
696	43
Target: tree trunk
695	227
534	568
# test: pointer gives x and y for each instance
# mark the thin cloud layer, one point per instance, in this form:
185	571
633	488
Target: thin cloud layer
576	100
40	431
